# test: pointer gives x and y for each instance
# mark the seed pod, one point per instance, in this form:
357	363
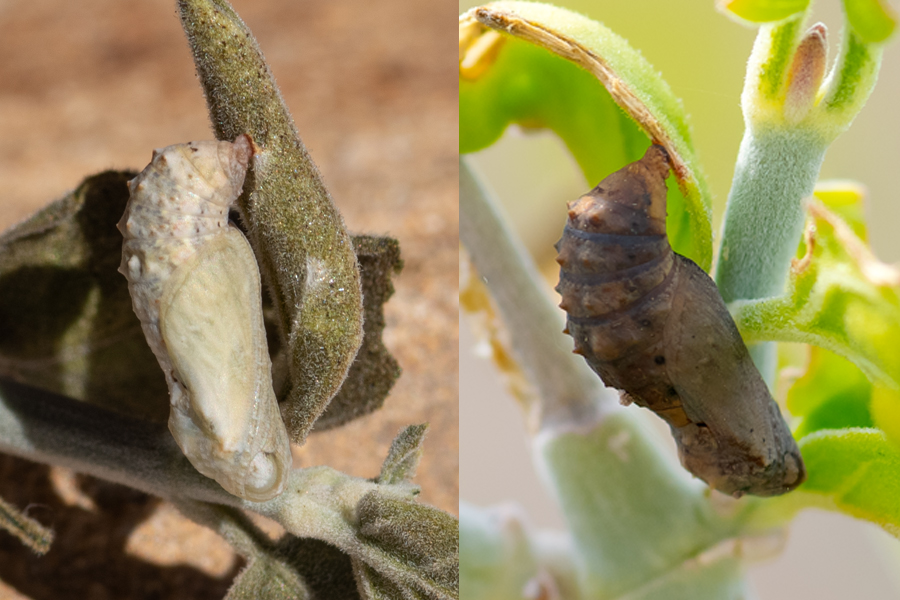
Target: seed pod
652	324
195	287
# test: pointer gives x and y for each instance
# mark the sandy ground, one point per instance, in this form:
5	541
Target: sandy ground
97	84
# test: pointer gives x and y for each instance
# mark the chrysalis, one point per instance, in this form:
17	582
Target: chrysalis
195	287
652	324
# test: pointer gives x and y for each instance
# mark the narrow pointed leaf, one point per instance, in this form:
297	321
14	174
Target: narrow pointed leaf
404	455
305	254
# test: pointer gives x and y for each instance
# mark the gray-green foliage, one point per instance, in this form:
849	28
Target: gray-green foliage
75	348
291	221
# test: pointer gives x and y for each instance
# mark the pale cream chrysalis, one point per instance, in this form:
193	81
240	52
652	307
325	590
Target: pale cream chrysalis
195	287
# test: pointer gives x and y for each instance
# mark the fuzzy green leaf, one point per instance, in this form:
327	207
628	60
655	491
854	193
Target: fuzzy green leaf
840	297
267	578
306	257
832	394
374	371
326	571
404	455
856	471
422	543
529	75
266	575
873	20
30	532
763	11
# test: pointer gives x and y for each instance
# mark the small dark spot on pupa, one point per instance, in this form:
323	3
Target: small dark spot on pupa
660	360
672	391
704	425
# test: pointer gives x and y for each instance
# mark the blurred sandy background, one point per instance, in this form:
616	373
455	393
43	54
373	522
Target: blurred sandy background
97	84
827	556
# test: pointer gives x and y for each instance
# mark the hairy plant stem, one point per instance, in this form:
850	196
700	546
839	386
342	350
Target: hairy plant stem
568	389
787	133
46	428
775	173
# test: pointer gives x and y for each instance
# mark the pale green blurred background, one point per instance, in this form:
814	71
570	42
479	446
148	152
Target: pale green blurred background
702	54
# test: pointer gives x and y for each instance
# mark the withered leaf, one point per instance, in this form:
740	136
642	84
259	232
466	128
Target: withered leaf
67	324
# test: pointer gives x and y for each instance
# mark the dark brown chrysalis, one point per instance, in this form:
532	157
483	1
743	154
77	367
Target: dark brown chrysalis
652	324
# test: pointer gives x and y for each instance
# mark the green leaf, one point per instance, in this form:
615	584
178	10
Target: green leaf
267	574
404	455
530	76
885	408
305	254
374	370
763	11
844	198
326	571
832	394
265	577
421	546
873	20
856	471
840	297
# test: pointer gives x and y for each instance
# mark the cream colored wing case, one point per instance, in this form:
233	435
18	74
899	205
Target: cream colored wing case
195	287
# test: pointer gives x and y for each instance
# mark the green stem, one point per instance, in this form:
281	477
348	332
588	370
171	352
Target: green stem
46	428
634	515
568	389
776	171
780	157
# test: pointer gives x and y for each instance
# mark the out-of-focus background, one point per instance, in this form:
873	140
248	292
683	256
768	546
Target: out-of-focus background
97	84
702	54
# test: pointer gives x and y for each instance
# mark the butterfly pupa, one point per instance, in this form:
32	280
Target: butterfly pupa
652	324
195	287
